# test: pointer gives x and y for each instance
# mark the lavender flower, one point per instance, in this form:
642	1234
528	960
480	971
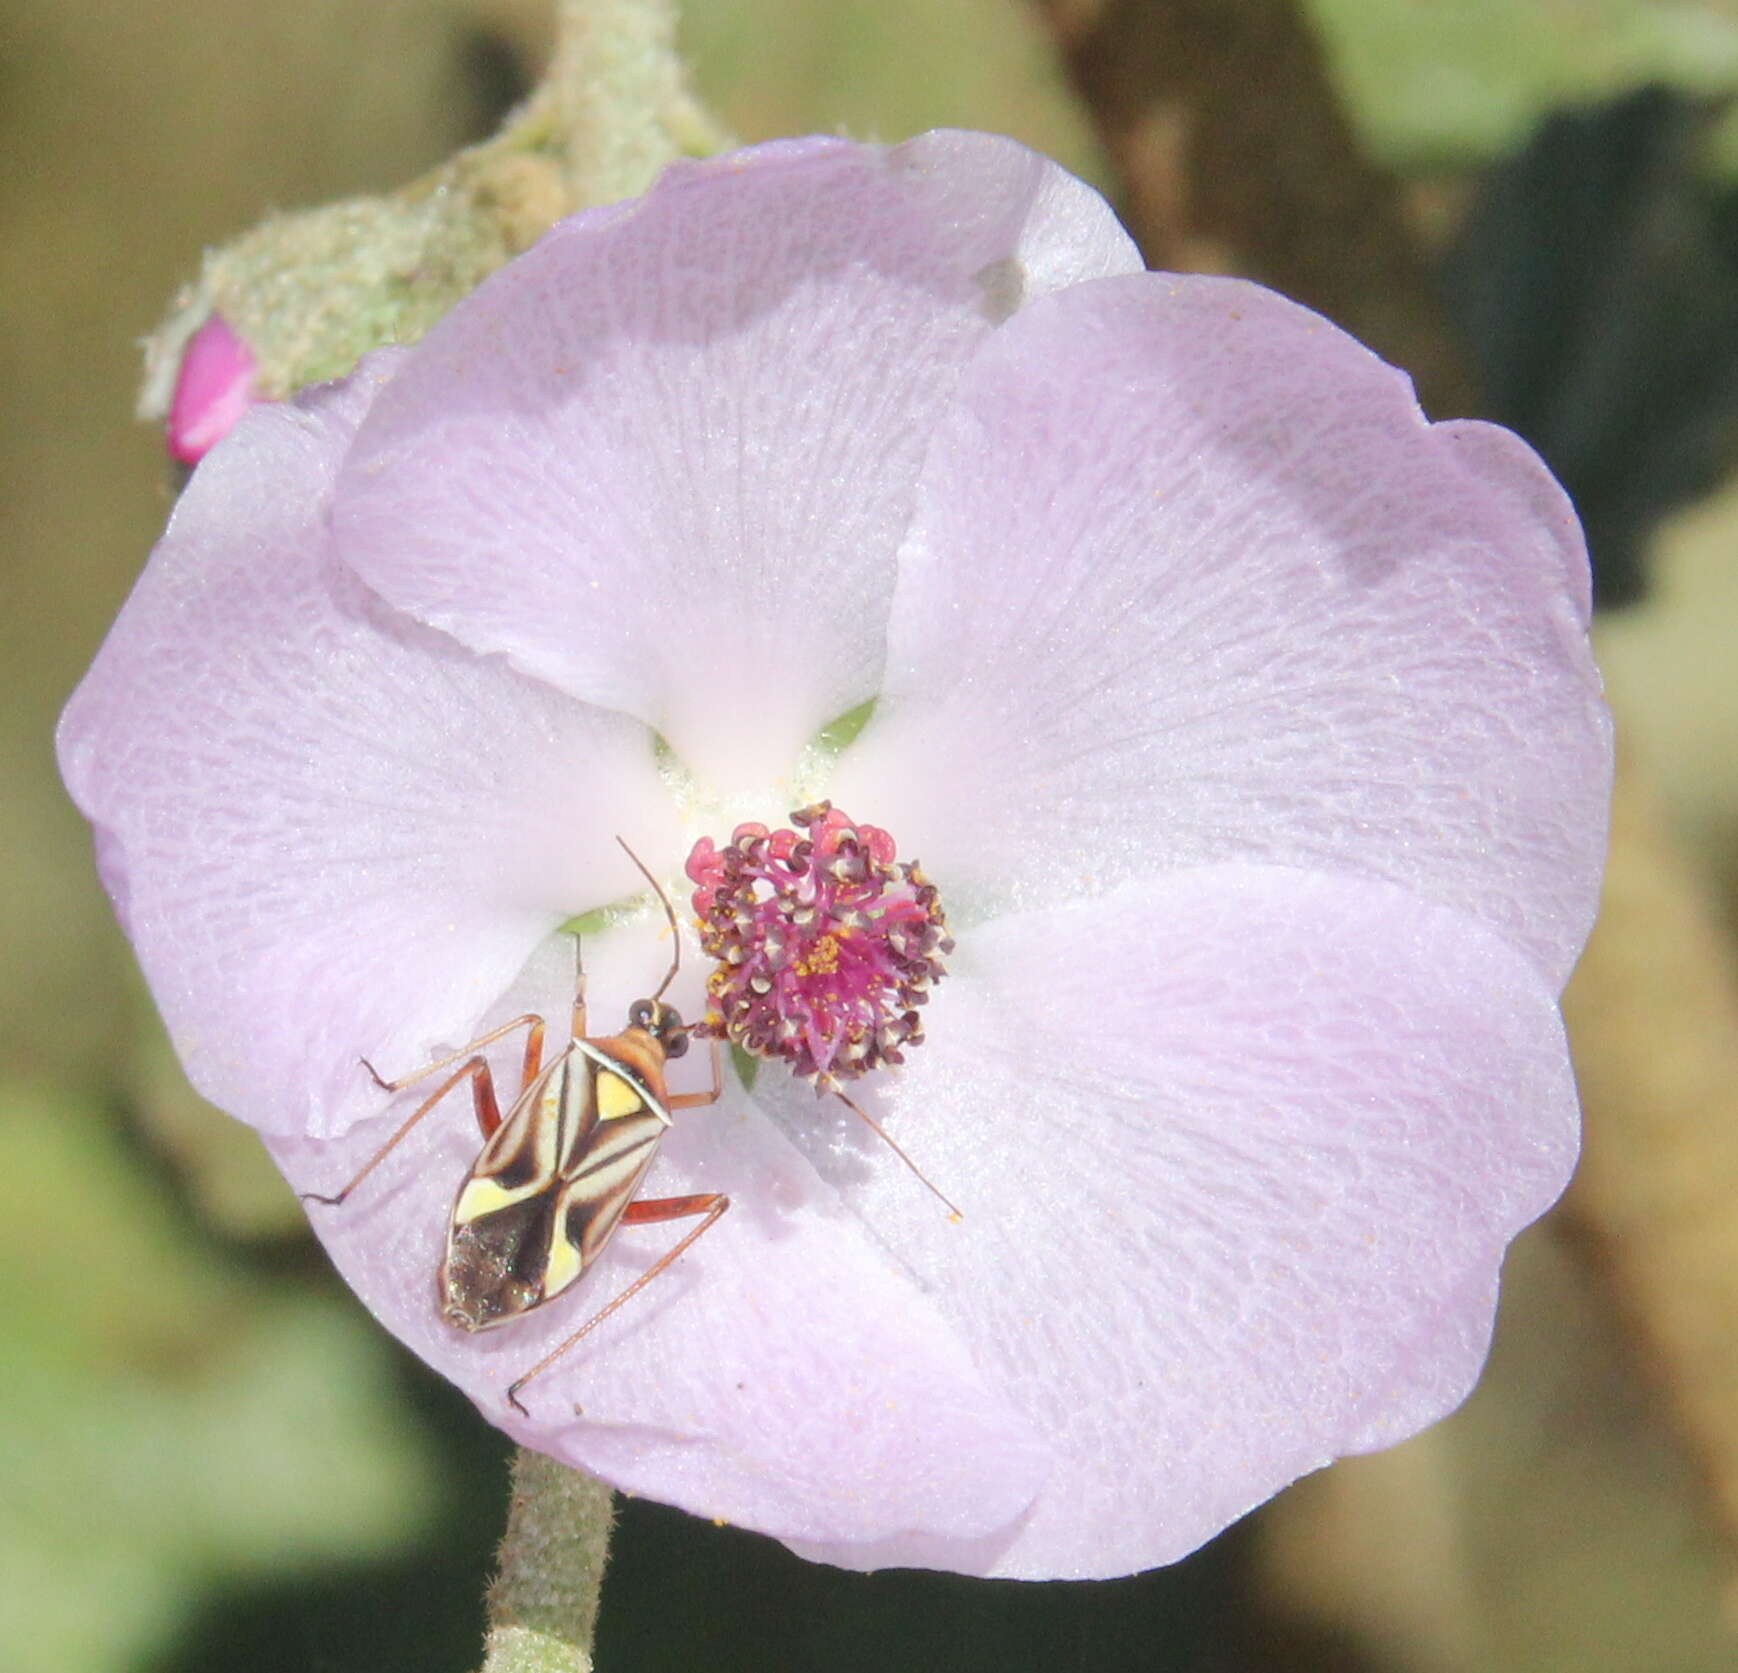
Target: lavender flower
1243	720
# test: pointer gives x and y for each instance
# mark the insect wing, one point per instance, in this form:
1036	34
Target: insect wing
549	1187
497	1237
605	1165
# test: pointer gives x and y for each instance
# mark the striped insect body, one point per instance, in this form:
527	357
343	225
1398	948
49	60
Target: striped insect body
549	1188
560	1171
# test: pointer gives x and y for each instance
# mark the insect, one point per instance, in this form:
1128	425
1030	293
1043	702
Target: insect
558	1173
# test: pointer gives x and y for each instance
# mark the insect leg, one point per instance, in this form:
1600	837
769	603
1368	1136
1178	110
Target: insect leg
711	1204
579	1030
482	1099
533	1053
887	1139
693	1100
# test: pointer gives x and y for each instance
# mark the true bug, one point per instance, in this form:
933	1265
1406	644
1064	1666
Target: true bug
557	1174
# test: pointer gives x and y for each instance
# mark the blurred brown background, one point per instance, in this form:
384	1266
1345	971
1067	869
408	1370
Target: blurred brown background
211	1459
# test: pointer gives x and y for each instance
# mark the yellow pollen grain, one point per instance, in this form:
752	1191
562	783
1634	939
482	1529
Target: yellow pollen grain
824	960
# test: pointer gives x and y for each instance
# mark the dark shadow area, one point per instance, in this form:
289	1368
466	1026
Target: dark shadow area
495	77
682	1594
1595	282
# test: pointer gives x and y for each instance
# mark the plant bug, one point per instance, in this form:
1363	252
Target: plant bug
557	1174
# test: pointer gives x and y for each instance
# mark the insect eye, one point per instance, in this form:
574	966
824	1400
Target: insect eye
674	1037
640	1014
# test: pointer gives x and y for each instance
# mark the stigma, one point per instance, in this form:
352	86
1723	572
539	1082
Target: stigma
826	945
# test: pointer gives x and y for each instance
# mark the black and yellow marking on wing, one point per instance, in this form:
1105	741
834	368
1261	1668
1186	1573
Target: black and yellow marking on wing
601	1190
550	1187
615	1095
524	1154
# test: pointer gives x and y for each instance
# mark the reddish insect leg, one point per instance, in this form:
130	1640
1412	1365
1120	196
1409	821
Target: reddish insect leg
532	1063
695	1100
711	1204
652	1211
482	1099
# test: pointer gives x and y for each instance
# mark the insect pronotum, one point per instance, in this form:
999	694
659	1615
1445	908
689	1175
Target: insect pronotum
558	1173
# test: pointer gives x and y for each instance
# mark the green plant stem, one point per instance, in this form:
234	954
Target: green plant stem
543	1603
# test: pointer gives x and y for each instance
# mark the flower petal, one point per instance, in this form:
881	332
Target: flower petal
785	1375
1239	1151
328	830
664	459
1019	224
1193	580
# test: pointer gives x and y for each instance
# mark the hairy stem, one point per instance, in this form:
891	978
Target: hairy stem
312	291
543	1603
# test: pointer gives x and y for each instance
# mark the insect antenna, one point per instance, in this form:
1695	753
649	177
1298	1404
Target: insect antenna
669	912
893	1144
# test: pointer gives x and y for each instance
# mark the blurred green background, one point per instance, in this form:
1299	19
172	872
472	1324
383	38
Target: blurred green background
212	1458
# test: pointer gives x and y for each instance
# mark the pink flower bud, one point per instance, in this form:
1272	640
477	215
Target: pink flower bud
212	390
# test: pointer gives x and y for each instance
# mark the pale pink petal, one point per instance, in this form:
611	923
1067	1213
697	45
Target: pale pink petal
786	1374
213	388
1020	224
1193	580
664	459
1239	1151
328	830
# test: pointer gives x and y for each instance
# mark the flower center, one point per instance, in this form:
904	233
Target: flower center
826	944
